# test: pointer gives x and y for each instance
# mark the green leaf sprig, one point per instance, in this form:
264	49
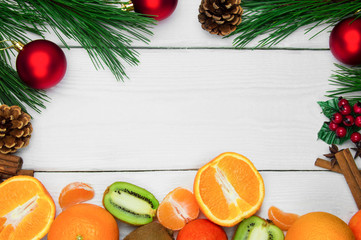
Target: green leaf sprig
329	108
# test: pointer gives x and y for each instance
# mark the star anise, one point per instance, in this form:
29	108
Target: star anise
333	150
358	150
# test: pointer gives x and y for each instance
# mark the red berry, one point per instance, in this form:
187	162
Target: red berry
333	126
357	108
341	132
345	109
342	101
358	121
337	118
348	121
356	137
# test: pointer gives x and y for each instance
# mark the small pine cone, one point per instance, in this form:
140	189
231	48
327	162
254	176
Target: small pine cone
15	129
220	17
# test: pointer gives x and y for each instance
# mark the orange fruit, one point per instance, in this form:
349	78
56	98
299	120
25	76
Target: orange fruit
355	225
82	222
74	193
202	229
281	219
26	209
177	208
228	189
319	226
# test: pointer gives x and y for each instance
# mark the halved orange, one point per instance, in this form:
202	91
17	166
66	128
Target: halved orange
26	209
228	189
75	193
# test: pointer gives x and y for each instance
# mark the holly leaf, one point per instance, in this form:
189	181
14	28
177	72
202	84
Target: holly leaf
329	107
329	137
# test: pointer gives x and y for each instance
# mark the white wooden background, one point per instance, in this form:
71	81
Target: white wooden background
191	98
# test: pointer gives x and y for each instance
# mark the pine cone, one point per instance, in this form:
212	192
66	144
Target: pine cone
15	129
220	17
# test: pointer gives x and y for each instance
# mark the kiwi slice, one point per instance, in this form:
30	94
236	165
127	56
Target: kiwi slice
130	203
255	228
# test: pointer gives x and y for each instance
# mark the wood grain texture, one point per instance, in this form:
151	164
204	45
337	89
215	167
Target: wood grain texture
297	192
182	29
182	108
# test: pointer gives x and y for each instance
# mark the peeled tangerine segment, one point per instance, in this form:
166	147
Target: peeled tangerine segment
177	208
26	209
130	203
75	193
255	228
281	219
229	189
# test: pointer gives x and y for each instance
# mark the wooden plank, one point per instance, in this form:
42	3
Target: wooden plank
182	29
297	192
181	108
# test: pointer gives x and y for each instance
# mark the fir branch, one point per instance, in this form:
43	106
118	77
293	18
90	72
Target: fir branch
348	80
280	18
14	26
13	91
104	30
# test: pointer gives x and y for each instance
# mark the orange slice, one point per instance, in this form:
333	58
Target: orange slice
281	219
75	193
26	209
177	208
228	189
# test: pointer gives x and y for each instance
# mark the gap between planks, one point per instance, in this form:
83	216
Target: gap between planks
164	170
217	48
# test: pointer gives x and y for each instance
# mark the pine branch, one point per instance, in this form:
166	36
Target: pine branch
348	80
280	18
104	30
14	92
13	26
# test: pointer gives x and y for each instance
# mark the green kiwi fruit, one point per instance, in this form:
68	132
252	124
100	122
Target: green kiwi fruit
150	231
255	228
130	203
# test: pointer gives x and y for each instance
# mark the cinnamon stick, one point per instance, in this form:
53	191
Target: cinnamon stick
11	158
10	164
327	165
26	172
351	174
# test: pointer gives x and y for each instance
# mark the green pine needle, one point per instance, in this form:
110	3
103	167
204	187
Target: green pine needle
348	80
280	18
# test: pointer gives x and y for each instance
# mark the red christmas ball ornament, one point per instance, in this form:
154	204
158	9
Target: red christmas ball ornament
41	64
345	41
161	9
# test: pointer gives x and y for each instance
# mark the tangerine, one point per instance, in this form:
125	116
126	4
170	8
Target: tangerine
319	226
177	208
201	229
281	219
355	225
228	189
75	193
26	209
82	222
